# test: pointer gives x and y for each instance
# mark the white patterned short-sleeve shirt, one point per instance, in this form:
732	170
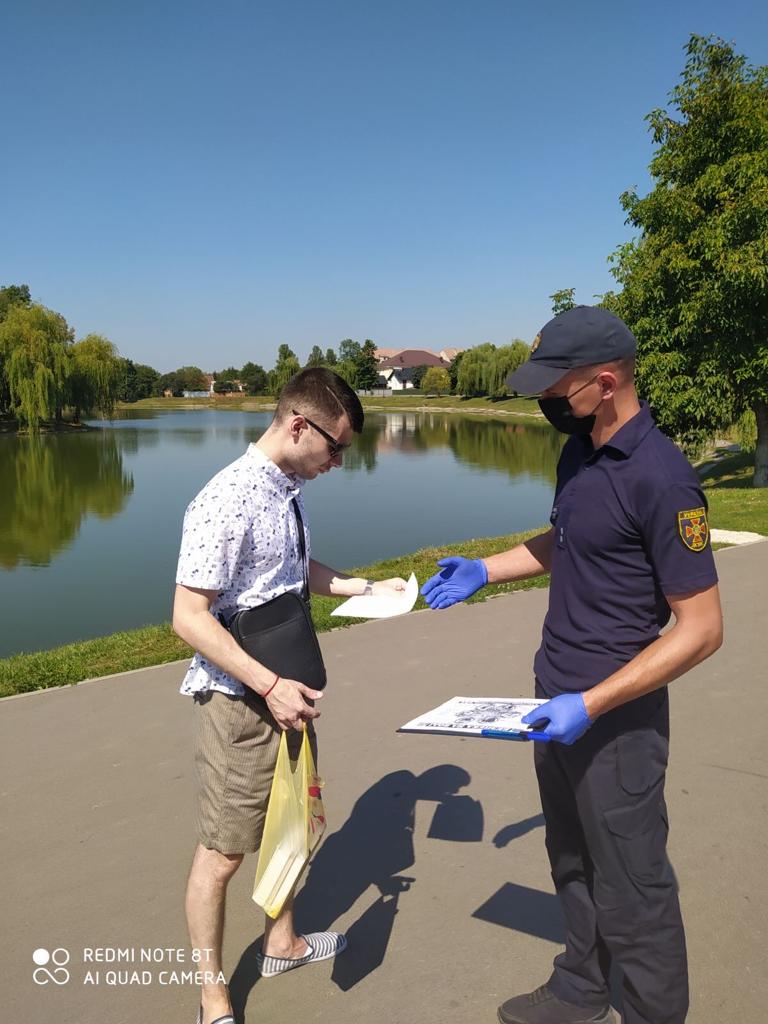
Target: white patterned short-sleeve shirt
241	537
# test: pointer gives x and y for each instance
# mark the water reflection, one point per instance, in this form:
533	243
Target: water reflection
504	445
49	485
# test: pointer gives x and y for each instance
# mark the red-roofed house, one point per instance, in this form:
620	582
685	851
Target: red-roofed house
409	358
397	371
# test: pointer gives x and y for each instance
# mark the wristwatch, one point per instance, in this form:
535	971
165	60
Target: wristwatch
368	592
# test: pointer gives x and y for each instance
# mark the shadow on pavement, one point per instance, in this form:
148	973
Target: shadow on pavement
525	910
515	831
372	849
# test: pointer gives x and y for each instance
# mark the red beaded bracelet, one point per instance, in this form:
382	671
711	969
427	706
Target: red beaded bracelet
277	680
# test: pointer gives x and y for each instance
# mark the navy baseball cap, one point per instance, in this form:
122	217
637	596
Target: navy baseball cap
582	336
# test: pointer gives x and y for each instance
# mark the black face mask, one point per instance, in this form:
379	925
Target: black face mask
559	412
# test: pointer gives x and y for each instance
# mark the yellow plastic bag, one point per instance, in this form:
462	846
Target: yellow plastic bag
294	824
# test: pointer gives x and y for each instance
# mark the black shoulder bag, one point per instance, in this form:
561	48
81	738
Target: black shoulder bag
280	633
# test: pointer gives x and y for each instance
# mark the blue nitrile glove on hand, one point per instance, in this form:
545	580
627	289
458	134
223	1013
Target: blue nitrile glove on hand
460	579
568	718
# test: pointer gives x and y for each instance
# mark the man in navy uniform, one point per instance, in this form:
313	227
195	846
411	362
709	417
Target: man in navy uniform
628	548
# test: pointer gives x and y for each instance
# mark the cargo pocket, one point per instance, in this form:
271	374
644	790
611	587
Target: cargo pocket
639	833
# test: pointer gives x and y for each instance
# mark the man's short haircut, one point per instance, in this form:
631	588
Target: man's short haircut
320	394
625	368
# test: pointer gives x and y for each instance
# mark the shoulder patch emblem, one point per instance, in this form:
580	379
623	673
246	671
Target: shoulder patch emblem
535	343
694	529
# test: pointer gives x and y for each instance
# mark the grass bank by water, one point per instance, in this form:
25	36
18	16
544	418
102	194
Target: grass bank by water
156	645
398	402
734	505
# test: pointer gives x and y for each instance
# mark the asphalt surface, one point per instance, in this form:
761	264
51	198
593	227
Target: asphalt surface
434	862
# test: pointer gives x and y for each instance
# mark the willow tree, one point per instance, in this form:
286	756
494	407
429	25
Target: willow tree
95	377
505	360
473	377
35	360
695	280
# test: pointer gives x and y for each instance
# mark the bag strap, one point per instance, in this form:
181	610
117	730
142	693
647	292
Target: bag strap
303	549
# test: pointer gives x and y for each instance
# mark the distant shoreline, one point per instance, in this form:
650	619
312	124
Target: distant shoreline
524	408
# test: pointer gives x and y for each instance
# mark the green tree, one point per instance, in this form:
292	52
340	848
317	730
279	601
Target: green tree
316	357
418	375
504	361
286	366
453	370
347	370
223	387
437	380
231	373
254	379
127	389
186	378
137	381
695	280
192	378
367	366
13	295
475	371
169	382
94	378
35	363
146	378
349	350
330	357
563	300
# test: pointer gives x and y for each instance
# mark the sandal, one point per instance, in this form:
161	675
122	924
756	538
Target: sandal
322	946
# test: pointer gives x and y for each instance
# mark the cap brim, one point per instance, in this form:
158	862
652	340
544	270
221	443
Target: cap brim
534	377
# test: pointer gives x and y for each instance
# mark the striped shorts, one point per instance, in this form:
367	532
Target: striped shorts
236	744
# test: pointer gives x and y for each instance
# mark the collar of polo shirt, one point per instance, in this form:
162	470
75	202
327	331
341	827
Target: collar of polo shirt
628	437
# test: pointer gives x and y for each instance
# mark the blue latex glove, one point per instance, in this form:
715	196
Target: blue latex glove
568	718
460	579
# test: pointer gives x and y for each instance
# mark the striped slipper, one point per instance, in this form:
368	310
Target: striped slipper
226	1019
322	946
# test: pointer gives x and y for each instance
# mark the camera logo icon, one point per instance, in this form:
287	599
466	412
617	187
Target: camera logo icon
43	974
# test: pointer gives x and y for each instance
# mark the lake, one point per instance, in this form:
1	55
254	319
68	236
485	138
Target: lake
90	523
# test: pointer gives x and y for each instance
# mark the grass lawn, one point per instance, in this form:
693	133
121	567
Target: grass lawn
734	504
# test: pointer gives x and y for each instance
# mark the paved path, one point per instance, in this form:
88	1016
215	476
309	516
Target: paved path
96	794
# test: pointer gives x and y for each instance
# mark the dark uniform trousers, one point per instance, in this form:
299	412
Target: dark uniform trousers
606	835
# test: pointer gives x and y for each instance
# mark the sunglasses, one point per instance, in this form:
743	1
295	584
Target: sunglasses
334	447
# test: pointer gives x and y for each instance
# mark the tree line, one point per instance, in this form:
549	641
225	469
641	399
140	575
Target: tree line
46	375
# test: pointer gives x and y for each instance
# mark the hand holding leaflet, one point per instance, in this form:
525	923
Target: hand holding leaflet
459	579
381	606
568	718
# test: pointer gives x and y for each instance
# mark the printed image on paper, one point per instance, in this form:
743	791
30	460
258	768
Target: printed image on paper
469	716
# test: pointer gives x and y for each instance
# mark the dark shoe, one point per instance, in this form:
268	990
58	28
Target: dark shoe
543	1007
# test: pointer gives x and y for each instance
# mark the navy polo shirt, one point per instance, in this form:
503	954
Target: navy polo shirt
630	527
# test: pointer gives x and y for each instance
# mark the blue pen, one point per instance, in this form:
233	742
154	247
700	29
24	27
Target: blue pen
501	734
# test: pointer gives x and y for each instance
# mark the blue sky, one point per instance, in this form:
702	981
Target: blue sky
202	182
